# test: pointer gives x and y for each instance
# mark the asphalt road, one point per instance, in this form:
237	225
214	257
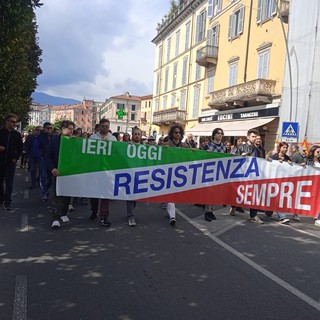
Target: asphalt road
226	269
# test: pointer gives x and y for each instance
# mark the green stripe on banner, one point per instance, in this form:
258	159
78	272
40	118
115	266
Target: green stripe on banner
78	155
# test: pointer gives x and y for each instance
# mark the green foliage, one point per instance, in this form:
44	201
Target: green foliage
57	124
29	127
19	56
173	7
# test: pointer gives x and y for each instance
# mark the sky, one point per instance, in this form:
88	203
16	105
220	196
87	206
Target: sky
96	49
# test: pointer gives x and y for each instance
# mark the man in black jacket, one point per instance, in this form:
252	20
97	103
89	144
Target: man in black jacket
250	149
10	151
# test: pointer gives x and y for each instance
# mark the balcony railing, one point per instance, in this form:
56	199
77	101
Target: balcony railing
168	116
252	93
207	56
284	10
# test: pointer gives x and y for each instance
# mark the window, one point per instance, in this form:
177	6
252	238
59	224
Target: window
133	107
198	72
184	70
132	116
166	79
156	105
236	23
195	102
263	65
173	100
120	106
168	49
158	84
201	26
214	7
177	42
183	100
233	74
174	80
266	9
186	43
160	57
165	99
210	81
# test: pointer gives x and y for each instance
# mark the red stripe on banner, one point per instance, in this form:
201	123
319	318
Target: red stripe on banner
292	195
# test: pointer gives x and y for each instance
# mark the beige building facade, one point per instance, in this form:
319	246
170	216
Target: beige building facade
228	68
113	107
146	125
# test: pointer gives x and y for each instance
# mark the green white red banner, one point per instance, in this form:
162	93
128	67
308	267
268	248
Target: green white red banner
121	171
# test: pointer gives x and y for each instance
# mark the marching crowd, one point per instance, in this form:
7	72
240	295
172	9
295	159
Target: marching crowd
39	152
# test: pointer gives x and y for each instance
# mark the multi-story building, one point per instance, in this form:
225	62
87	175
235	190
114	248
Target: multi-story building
123	112
220	63
39	114
146	125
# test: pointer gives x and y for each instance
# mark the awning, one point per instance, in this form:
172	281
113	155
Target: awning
237	128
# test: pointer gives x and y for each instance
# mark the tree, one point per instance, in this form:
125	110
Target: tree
19	56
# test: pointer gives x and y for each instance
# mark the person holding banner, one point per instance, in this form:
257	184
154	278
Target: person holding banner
249	149
102	134
313	159
60	203
215	145
175	135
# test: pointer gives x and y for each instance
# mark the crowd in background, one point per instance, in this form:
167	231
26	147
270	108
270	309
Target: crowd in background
38	151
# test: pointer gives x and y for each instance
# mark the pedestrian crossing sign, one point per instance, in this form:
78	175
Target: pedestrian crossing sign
290	131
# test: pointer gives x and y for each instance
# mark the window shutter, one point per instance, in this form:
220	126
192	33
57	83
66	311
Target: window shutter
274	7
198	28
210	8
259	11
210	37
241	19
230	35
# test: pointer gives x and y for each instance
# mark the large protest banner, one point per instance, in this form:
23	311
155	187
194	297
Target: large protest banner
121	171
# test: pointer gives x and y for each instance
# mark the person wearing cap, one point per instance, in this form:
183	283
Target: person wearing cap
152	141
300	155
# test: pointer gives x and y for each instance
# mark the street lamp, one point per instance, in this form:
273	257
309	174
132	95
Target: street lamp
127	124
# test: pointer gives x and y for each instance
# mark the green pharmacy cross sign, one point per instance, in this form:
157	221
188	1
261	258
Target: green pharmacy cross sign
120	113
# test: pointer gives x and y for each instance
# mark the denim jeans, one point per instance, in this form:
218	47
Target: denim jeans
6	178
45	177
34	170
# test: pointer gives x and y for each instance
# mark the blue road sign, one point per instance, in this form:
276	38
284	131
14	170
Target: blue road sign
290	131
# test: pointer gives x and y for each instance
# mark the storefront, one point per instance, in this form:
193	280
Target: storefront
236	123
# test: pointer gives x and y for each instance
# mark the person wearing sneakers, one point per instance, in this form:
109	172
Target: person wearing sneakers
281	156
249	149
313	159
175	135
102	134
60	203
10	152
215	145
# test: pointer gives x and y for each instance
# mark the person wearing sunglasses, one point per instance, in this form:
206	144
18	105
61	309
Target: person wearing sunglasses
10	151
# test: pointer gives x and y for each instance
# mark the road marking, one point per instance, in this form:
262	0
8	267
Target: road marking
24	223
20	299
254	265
26	194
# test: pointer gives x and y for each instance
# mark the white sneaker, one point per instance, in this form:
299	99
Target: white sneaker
64	219
55	224
317	223
132	222
256	219
232	211
70	208
284	221
295	217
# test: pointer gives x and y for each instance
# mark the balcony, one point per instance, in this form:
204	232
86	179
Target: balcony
169	116
251	93
207	56
284	10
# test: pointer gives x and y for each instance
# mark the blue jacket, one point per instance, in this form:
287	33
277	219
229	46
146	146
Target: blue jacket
44	141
